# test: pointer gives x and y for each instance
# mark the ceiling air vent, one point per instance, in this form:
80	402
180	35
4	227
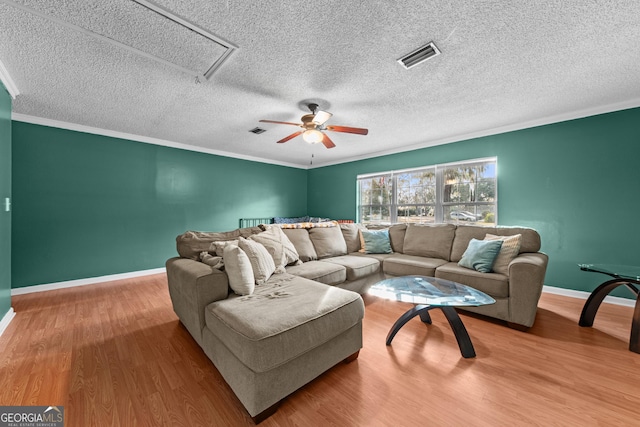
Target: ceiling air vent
419	55
258	131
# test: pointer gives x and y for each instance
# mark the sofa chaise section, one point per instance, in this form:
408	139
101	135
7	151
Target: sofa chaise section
290	330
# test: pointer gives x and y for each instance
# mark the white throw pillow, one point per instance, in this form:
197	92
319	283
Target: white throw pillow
261	261
218	246
509	250
279	246
214	261
239	270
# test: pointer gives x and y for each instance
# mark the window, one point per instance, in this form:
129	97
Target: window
455	193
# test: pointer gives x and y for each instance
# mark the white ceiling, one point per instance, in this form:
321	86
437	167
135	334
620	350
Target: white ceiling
504	65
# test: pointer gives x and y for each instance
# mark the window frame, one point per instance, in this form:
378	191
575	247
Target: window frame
441	209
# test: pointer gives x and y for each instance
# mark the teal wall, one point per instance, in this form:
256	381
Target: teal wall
576	182
5	191
87	205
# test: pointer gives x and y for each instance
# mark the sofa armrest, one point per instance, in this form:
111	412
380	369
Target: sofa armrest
192	286
526	279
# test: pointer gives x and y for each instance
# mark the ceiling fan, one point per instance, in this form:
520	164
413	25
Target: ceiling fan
314	125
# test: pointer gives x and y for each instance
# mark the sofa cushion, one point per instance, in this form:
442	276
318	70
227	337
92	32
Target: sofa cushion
530	238
375	241
191	243
431	241
356	267
282	319
301	241
328	242
323	272
379	257
261	261
396	236
464	233
493	284
403	265
480	255
351	235
279	246
239	270
508	251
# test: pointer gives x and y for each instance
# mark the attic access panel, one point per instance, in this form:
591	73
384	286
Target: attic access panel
139	26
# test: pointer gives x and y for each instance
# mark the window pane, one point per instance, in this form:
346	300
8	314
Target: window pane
470	214
416	213
417	187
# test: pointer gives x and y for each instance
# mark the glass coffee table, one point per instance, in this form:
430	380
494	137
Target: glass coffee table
623	275
428	293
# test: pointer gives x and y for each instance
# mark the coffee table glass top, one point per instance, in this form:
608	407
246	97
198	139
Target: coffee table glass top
430	291
614	270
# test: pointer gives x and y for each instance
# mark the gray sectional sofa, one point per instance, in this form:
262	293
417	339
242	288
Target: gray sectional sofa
303	321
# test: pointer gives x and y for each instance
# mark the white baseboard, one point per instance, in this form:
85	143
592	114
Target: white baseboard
6	319
584	295
83	282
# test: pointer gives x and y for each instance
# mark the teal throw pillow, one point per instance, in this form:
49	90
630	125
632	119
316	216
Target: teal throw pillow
481	254
376	241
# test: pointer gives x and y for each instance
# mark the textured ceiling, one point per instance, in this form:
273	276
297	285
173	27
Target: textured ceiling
504	65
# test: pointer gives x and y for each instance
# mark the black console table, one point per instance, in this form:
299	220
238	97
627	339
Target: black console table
623	275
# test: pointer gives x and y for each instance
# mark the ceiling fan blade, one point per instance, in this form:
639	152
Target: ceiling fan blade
321	117
327	141
293	135
347	129
279	123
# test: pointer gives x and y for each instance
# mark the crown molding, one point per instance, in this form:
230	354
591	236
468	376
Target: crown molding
138	138
558	118
8	82
588	112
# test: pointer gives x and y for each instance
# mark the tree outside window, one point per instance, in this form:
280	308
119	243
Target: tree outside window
454	193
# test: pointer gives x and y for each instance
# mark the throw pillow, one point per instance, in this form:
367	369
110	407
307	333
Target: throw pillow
239	271
217	247
480	254
376	241
279	246
509	250
214	261
261	262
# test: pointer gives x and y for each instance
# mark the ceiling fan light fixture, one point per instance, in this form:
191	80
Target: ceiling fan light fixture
312	136
321	117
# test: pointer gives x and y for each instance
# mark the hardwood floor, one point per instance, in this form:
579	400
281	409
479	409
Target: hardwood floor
114	354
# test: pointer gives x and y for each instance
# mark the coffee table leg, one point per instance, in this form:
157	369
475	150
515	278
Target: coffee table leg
421	310
597	296
462	336
424	313
595	299
634	340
